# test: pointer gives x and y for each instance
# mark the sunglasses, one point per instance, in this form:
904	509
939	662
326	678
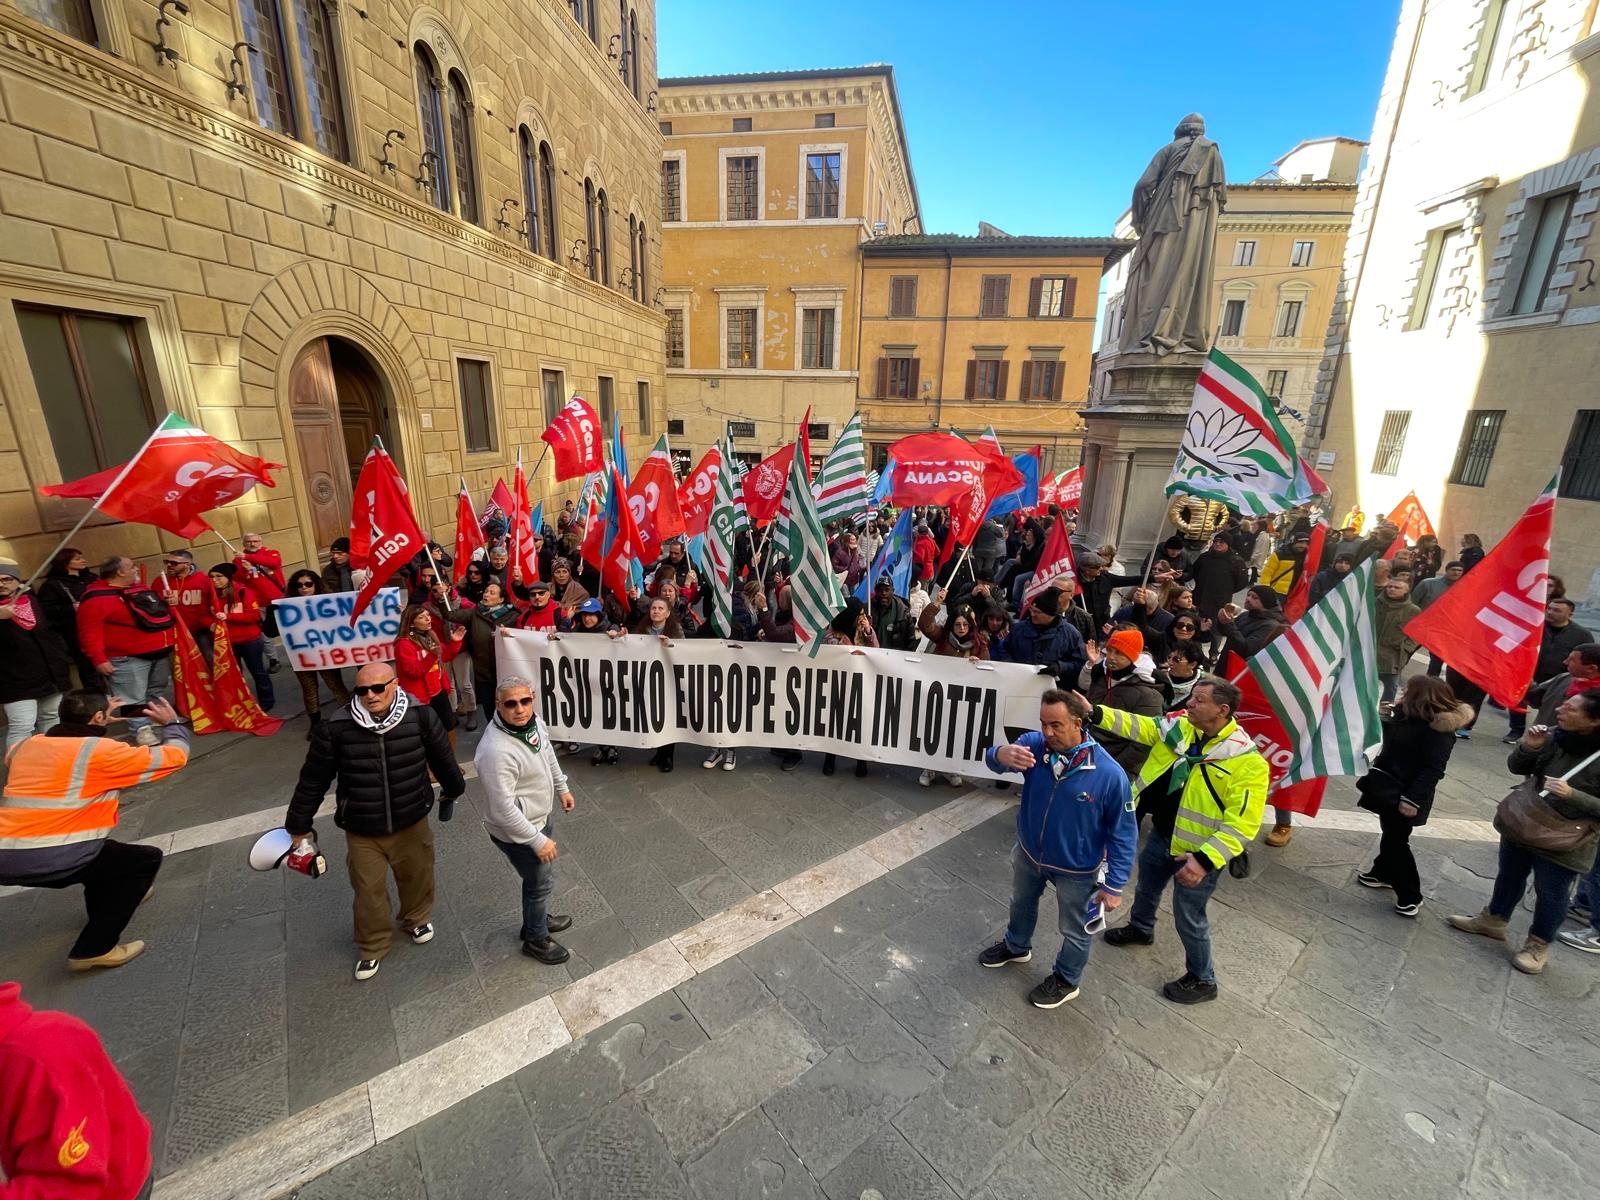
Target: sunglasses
1189	627
305	583
511	702
372	689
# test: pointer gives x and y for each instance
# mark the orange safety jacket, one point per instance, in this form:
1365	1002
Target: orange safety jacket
61	795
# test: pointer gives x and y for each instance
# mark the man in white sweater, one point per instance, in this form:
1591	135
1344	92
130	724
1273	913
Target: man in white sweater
521	779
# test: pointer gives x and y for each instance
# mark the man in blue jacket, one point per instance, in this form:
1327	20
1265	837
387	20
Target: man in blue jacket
1077	812
1043	639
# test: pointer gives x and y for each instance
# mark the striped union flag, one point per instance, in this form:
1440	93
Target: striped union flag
1321	677
814	589
721	531
1234	447
841	485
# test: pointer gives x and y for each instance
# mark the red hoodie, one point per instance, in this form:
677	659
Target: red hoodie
192	599
270	565
69	1127
106	629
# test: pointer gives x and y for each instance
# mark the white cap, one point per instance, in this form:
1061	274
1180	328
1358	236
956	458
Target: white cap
270	849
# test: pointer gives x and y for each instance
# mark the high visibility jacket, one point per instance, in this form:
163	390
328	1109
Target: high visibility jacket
1220	807
61	796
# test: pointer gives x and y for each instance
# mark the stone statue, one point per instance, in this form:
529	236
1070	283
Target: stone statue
1167	303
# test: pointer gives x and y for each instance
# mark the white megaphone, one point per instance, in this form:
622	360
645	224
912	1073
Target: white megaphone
276	848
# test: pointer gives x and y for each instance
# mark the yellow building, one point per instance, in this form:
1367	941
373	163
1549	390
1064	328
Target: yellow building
770	183
1279	254
1462	362
968	332
298	224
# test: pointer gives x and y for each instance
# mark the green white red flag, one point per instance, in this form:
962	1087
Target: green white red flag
841	485
1234	447
720	532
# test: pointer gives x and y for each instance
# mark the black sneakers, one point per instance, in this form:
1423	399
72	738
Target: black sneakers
1127	935
1189	990
1000	955
550	952
1052	993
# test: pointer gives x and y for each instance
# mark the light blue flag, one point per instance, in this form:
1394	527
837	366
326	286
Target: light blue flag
536	519
893	559
1025	496
619	454
880	494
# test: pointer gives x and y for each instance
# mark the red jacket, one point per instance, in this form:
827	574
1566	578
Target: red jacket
539	618
243	614
924	551
106	628
69	1127
419	671
269	564
192	600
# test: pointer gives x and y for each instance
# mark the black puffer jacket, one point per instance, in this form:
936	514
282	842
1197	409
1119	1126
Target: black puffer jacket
481	631
383	778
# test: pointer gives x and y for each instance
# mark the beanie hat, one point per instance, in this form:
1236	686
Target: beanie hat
10	569
1048	601
1127	642
1174	543
340	545
228	569
1269	598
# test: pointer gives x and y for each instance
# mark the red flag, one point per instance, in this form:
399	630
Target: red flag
384	534
698	492
216	701
764	484
999	477
1299	597
653	499
575	438
524	553
499	507
805	442
938	469
1411	520
1489	624
178	474
1055	560
469	534
613	541
1259	720
1069	489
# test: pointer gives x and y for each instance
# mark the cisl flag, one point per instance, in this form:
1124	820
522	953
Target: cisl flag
384	534
576	439
178	474
698	493
1489	623
653	497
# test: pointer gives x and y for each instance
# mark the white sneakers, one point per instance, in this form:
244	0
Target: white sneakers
726	759
926	780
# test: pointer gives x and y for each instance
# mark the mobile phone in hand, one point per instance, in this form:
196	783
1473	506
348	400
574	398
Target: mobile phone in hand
130	710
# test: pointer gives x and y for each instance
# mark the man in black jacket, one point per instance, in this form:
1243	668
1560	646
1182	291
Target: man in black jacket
380	750
1219	575
1562	635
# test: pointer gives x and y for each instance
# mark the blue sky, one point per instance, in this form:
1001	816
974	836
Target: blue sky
1040	119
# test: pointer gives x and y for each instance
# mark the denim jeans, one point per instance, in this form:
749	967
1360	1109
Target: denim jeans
1552	888
1589	895
538	881
137	679
27	717
1156	868
1073	893
1391	685
252	656
1019	584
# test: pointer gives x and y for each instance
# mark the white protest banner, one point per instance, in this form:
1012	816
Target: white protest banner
886	706
319	636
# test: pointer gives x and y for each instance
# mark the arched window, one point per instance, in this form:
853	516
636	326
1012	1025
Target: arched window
603	229
435	167
462	158
591	225
633	256
633	51
642	258
547	199
532	215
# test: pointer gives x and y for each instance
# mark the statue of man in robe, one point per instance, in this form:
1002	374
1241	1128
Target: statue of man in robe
1167	303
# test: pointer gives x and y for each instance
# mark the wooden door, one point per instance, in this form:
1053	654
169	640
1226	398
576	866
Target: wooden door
362	410
320	439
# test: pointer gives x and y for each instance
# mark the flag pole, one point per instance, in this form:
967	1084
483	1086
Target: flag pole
95	505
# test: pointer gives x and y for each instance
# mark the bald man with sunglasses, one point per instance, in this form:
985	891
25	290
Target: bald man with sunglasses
380	750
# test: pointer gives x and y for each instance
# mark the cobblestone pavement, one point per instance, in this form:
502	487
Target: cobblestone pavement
857	1052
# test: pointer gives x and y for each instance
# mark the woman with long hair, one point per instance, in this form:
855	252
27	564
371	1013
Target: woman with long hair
58	594
1418	735
1185	630
243	614
309	583
419	658
475	580
483	621
1471	551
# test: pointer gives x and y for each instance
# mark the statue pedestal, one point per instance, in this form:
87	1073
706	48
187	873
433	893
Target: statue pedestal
1129	444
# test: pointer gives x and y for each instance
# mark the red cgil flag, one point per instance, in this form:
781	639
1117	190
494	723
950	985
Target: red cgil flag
179	473
653	497
698	492
574	437
498	508
764	484
469	534
384	534
1299	597
1488	625
999	477
524	551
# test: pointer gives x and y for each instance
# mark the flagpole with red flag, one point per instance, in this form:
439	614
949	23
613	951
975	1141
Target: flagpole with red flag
384	533
469	534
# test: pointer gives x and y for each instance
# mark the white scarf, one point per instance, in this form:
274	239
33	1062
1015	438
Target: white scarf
380	725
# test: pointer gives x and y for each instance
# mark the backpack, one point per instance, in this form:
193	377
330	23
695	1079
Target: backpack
148	610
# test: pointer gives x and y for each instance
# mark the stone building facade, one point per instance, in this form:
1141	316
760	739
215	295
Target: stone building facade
1462	356
300	223
770	184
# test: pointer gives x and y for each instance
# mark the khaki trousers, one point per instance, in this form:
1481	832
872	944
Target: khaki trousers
409	854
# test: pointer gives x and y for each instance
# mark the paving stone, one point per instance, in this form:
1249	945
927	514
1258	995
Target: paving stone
1341	904
1248	896
917	996
840	1101
1568	991
577	897
508	977
1288	1052
1573	1045
596	946
1526	1149
211	1116
886	1166
703	1093
923	879
724	996
751	857
1252	957
483	1148
832	1009
646	902
601	848
1025	1174
1351	966
233	1021
715	891
631	811
951	925
234	890
858	916
1466	975
389	1171
675	852
1256	1131
1122	1101
984	1106
1064	1035
439	1015
1402	1140
697	812
750	1161
1140	1020
340	1035
576	1081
